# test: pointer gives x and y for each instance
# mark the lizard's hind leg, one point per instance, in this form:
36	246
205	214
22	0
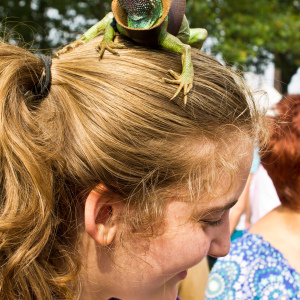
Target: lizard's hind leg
197	37
185	79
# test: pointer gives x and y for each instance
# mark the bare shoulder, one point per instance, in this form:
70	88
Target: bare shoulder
279	228
268	224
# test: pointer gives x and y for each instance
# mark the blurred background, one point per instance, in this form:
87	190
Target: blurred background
259	37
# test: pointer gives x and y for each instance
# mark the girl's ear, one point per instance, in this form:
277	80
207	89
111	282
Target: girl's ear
101	207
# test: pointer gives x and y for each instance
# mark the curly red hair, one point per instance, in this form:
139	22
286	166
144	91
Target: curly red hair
282	158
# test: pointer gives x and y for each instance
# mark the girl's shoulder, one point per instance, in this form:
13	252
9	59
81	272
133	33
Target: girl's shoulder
253	269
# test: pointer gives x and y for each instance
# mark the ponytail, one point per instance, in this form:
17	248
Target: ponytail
27	220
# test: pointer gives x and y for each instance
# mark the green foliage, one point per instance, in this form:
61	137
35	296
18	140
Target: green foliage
252	33
45	24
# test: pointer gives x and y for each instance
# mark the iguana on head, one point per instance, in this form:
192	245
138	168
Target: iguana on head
150	22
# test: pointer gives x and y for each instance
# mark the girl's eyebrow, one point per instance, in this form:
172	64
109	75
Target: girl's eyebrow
221	208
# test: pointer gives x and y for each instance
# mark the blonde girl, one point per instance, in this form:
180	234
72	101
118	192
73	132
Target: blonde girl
108	189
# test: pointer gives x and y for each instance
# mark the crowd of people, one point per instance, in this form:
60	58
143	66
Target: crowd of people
109	190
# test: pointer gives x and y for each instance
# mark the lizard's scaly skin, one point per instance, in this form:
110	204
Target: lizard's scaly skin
142	13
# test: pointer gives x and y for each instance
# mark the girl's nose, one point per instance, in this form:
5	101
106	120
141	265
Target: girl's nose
220	242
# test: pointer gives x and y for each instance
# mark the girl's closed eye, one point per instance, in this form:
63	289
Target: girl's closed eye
212	220
211	223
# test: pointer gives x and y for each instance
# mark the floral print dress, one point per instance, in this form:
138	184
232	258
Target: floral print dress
253	269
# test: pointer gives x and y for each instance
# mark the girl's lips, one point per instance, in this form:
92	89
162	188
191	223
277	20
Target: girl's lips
182	274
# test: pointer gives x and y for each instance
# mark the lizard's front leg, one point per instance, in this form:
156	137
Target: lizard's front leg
185	79
108	43
89	34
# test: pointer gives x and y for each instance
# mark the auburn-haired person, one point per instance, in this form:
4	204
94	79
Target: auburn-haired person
282	156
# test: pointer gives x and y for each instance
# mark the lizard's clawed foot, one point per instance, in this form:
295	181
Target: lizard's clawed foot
110	46
69	47
185	82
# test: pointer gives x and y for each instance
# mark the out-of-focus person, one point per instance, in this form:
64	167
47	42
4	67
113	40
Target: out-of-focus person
262	196
265	263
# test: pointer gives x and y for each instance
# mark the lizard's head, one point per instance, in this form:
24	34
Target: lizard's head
138	16
139	7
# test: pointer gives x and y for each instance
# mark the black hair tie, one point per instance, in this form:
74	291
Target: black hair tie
42	88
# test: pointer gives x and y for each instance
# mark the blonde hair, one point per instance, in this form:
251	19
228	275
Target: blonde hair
108	121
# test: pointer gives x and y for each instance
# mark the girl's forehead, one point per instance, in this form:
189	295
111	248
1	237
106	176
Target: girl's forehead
213	181
221	192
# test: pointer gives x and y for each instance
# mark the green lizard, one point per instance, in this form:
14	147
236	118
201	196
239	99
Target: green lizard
149	22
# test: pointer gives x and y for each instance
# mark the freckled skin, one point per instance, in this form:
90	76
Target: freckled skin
146	19
152	268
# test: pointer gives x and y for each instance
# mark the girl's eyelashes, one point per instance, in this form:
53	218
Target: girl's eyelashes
212	223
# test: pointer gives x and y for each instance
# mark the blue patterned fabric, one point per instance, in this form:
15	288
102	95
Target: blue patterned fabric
253	269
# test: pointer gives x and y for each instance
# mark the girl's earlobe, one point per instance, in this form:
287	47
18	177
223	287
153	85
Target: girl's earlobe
100	207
